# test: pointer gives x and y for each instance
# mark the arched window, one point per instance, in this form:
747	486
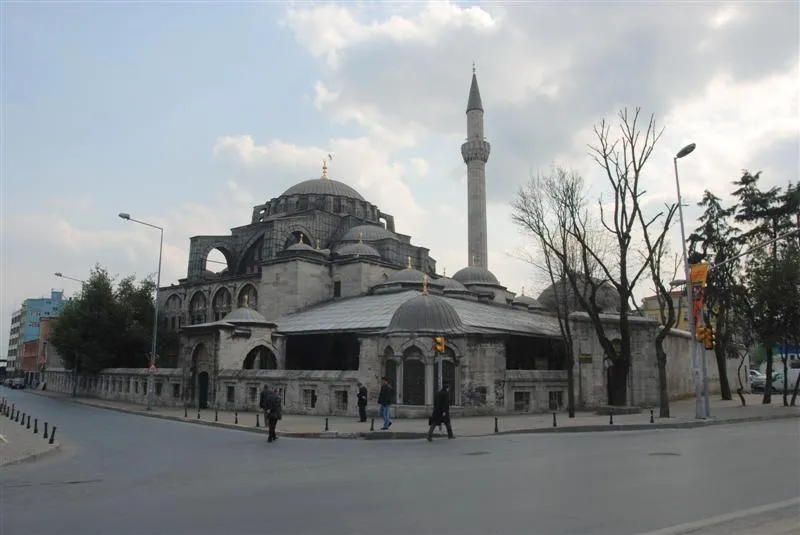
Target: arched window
221	304
248	297
413	377
197	308
260	358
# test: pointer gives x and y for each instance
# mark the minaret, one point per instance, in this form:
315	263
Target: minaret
475	152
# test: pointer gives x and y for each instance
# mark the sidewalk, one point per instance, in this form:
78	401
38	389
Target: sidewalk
19	444
722	412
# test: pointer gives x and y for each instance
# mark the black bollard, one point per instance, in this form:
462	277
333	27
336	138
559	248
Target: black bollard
372	425
52	435
651	416
216	415
258	422
236	417
198	414
611	418
13	406
555	423
45	430
496	428
36	426
185	412
28	424
326	424
22	423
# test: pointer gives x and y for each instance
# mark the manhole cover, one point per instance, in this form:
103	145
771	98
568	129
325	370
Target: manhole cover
666	454
477	453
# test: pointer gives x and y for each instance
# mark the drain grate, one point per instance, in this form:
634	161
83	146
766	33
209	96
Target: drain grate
477	453
665	454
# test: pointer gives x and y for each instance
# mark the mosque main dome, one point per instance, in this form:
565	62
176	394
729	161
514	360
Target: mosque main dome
323	186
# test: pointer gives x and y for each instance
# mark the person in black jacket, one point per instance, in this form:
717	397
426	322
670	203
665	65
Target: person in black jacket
385	401
270	403
362	402
441	413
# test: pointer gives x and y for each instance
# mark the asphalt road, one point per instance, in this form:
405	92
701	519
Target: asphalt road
127	474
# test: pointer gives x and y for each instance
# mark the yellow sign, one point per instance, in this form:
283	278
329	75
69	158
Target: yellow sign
699	274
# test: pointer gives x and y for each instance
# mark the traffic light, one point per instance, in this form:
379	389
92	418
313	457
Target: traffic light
709	338
700	334
439	344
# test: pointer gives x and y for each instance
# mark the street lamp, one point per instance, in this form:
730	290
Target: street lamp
61	275
150	378
701	388
77	357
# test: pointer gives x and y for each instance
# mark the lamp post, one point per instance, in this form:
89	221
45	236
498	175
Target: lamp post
701	388
77	357
150	378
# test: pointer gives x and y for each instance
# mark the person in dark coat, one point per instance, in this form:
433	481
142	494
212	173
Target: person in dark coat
441	413
270	403
362	402
385	401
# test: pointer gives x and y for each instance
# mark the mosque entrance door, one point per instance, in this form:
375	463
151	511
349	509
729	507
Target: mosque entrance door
202	390
413	382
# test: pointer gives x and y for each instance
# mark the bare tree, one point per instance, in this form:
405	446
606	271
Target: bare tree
654	258
543	209
622	160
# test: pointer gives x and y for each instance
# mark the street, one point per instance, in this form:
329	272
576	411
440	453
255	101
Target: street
124	474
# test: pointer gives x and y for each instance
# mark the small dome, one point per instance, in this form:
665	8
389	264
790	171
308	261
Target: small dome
527	300
358	249
451	285
245	315
323	186
300	246
476	275
426	314
411	276
607	296
367	233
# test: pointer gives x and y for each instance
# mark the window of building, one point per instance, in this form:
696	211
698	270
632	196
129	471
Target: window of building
144	388
159	387
522	401
136	387
309	398
176	390
253	394
556	400
128	386
337	288
231	394
341	397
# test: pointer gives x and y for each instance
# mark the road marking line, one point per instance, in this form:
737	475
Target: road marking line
693	526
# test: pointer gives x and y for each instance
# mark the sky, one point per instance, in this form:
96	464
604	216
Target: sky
186	115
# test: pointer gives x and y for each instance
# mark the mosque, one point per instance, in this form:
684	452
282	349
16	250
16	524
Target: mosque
320	292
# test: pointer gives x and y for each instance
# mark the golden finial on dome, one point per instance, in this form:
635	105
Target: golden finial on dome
300	237
444	272
409	263
317	244
424	284
246	300
360	237
523	290
324	169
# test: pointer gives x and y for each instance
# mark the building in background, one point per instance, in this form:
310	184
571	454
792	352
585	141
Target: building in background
26	325
651	308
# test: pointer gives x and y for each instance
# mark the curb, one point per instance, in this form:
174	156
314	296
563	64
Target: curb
34	456
411	435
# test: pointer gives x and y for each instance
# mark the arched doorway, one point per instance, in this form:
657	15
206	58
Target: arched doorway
260	358
202	390
413	382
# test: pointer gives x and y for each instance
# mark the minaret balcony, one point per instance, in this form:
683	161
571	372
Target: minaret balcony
475	149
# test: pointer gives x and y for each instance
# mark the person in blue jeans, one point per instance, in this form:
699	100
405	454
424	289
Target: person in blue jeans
385	402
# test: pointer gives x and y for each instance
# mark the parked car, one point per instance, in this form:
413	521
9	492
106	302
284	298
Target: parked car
757	380
17	383
777	380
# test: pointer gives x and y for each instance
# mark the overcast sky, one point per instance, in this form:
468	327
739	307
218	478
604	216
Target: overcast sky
187	116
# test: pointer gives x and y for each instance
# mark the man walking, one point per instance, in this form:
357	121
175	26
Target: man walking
385	401
441	413
270	403
362	402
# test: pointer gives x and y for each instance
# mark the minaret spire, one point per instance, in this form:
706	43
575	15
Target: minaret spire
475	152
